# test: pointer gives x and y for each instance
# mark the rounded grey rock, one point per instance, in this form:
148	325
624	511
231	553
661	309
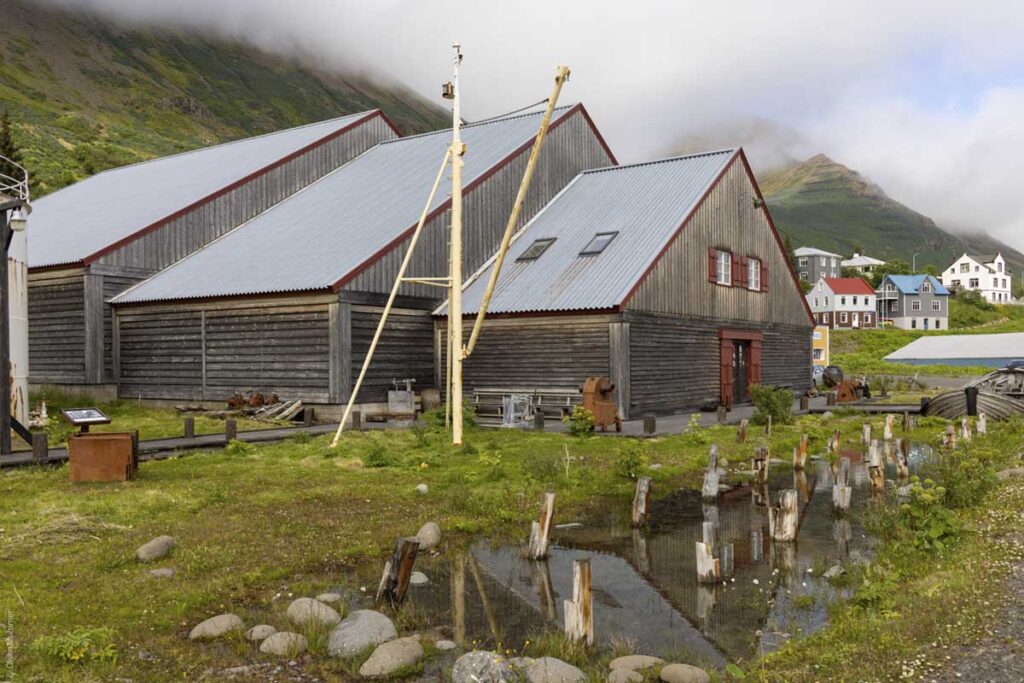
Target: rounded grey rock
392	656
358	631
429	536
309	611
260	633
419	579
624	676
445	645
480	666
284	644
423	489
329	597
156	549
635	662
217	626
551	670
162	573
684	673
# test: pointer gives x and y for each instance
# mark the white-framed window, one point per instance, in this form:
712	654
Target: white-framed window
819	354
802	262
867	318
915	305
803	276
913	323
843	317
815	302
926	286
842	301
824	318
973	282
754	274
936	305
938	323
824	261
723	268
826	301
895	306
965	267
854	301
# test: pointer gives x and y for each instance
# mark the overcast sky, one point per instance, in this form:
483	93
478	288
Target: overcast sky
924	97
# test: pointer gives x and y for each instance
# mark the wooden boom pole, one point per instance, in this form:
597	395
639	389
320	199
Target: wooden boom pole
457	150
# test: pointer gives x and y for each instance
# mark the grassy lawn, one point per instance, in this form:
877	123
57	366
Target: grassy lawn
296	517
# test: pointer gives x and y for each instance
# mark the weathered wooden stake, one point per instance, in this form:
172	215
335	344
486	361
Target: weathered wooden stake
650	424
540	532
835	441
357	420
710	489
965	428
640	500
950	438
841	490
397	570
459	599
723	414
865	433
538	421
830	399
40	447
783	517
190	428
982	424
805	403
760	465
768	427
903	459
906	421
579	612
876	474
799	458
230	430
800	484
741	431
887	430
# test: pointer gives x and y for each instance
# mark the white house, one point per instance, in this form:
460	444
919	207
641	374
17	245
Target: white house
862	263
985	274
842	302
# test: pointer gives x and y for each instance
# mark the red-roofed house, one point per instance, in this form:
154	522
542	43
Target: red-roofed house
843	302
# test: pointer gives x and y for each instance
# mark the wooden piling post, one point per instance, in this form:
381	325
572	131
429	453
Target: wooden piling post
540	532
538	421
357	421
841	490
783	517
950	438
835	441
397	570
650	424
230	430
906	420
865	433
805	403
982	425
710	489
965	428
308	416
190	427
741	431
640	501
40	447
760	465
903	460
723	414
579	612
459	599
887	429
830	399
768	427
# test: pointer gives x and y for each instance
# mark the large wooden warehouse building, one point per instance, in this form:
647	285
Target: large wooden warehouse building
95	238
288	301
668	277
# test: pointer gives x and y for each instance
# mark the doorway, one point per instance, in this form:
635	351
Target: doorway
740	364
740	371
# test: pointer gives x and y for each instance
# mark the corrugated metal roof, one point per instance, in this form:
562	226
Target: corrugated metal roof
813	251
322	233
82	219
955	346
859	261
910	284
644	203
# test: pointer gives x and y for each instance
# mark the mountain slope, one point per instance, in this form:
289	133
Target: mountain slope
824	204
87	94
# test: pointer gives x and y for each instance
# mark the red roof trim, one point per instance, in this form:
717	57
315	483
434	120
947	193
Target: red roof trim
405	234
241	181
849	285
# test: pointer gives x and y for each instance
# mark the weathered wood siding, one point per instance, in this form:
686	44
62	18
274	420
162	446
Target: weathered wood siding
56	323
113	284
211	350
543	352
405	350
674	360
569	148
728	220
186	233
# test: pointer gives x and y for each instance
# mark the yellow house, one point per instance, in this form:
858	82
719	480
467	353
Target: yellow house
820	346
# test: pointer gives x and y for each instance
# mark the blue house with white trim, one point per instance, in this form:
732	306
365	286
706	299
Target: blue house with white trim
913	302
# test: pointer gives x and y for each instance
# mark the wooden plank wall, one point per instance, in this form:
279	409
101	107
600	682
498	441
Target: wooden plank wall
161	354
56	322
405	350
112	286
187	233
534	352
726	220
569	149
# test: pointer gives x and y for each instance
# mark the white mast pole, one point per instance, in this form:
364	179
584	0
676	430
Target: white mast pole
455	295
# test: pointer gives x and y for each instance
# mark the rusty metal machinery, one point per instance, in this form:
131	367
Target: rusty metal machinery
599	399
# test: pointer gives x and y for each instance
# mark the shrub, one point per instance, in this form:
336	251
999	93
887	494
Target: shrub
378	457
931	525
695	435
774	401
80	645
581	422
632	460
237	447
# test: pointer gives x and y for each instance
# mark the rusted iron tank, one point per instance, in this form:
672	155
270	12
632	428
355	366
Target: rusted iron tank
599	399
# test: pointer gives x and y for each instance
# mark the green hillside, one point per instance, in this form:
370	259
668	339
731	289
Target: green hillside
88	95
824	204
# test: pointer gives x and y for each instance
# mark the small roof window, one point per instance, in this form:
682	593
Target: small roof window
535	250
598	243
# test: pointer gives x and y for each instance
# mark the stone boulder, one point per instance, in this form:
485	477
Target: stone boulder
309	611
635	662
156	549
480	666
429	536
418	579
624	676
684	673
358	631
445	645
162	573
260	633
551	670
284	644
423	489
217	626
329	597
391	656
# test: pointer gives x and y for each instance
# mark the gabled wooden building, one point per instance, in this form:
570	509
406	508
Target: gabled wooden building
90	241
288	302
668	277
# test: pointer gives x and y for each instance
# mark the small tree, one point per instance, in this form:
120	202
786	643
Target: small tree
8	147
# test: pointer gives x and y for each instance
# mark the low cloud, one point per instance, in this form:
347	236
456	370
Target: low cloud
922	96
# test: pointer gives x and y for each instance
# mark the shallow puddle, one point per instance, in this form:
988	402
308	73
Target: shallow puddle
645	589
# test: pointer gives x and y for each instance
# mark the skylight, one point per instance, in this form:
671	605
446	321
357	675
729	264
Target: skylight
598	243
535	250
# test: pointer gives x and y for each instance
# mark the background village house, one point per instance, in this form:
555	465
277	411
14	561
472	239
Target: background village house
812	263
93	239
987	275
845	302
862	264
667	276
913	302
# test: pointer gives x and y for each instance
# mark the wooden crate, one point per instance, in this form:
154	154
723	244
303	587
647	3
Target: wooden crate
103	456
